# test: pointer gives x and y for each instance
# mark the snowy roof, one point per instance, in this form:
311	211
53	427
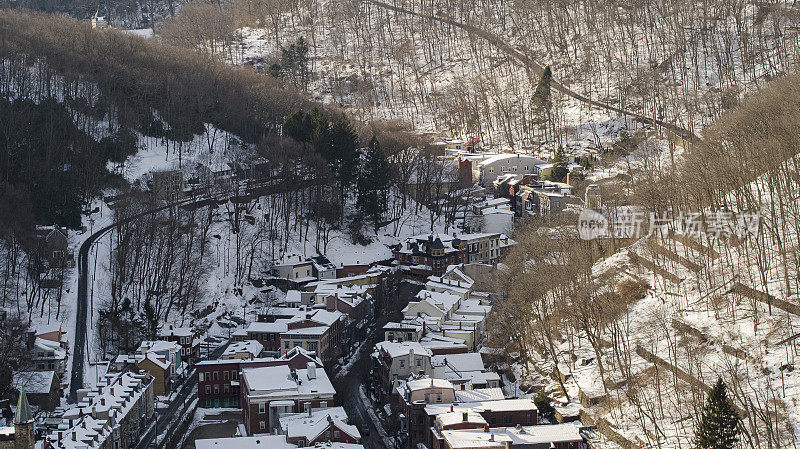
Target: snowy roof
298	351
35	382
443	300
433	342
332	445
451	418
310	425
279	381
503	405
279	326
318	315
163	364
239	362
421	384
505	156
452	286
404	325
314	330
399	349
259	442
479	395
516	436
252	347
293	296
49	345
157	346
473	306
115	396
459	363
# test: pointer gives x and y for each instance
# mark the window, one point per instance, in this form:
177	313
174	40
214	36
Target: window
491	169
307	406
216	375
323	404
312	345
226	388
507	419
262	408
236	375
402	364
261	425
208	389
439	397
225	375
419	361
286	345
208	403
216	389
301	442
526	168
336	434
427	398
200	377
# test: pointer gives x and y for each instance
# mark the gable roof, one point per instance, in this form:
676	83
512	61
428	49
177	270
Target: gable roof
311	425
35	382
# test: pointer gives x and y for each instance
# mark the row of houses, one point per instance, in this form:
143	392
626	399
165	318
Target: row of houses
430	373
274	369
428	254
174	185
112	415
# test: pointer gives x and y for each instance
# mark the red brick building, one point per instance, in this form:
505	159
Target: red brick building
218	380
270	391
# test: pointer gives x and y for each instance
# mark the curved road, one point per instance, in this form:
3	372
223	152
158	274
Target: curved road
250	191
80	318
531	64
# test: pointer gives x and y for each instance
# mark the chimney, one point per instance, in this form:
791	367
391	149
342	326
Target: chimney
491	437
103	401
464	416
309	410
74	436
451	407
311	367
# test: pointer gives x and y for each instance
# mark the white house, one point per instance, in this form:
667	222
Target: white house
512	163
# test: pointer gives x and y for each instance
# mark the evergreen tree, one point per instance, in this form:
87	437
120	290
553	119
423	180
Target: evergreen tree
294	63
544	404
541	97
344	153
373	184
542	103
560	169
298	126
719	425
320	134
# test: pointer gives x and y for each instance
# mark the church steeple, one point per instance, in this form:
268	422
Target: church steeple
23	415
24	435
